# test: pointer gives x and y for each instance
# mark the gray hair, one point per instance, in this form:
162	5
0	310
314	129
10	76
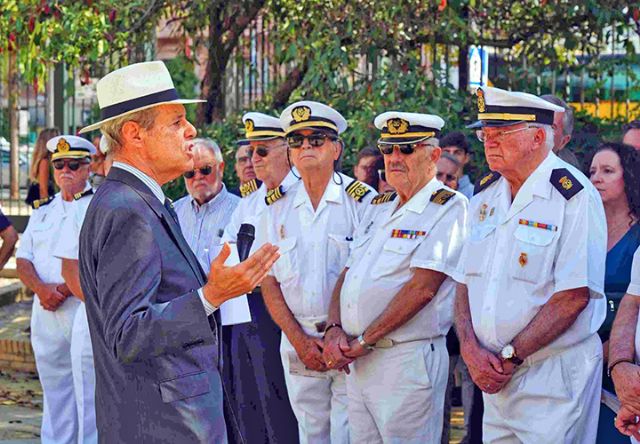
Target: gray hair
112	130
548	132
450	158
211	145
567	118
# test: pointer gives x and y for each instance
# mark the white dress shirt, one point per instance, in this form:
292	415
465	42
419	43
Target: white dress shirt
512	268
390	244
314	244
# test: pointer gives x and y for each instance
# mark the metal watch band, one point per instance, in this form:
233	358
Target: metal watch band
364	343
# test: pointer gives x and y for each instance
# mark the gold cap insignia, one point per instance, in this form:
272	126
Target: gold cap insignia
481	104
523	259
249	125
566	183
63	146
397	126
301	114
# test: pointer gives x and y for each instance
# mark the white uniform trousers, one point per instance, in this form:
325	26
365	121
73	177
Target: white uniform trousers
51	333
84	378
550	399
319	403
396	395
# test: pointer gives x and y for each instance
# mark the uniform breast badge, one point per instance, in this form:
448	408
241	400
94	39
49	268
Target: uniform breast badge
483	212
407	234
523	259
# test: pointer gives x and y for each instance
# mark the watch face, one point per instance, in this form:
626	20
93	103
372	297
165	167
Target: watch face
507	352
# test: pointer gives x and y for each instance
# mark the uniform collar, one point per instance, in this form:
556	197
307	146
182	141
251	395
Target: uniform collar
420	200
537	184
332	193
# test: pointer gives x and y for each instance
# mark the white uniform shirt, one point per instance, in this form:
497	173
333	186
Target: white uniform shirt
250	209
512	268
41	238
314	245
634	289
69	243
386	252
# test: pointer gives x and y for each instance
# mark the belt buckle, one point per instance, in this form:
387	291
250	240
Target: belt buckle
320	326
384	343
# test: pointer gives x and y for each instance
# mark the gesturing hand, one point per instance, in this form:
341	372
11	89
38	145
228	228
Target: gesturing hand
336	344
50	298
228	282
485	369
309	350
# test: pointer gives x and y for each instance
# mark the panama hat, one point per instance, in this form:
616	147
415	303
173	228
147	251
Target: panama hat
134	88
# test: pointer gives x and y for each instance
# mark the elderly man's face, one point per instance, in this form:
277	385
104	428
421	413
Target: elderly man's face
406	172
632	137
244	165
447	173
309	159
507	147
269	158
207	179
167	143
364	168
67	179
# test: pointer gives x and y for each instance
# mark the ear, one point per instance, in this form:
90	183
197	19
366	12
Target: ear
339	147
131	133
435	154
540	136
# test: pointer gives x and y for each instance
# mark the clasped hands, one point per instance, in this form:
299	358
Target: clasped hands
626	378
336	351
487	370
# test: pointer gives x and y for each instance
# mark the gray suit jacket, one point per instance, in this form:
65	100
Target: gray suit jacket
155	351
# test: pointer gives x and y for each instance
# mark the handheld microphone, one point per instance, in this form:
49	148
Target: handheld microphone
246	236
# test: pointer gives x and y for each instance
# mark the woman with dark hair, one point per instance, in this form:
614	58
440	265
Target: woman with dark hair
615	172
40	178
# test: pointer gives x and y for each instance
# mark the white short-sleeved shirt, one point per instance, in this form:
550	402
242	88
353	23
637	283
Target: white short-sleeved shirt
250	209
69	244
41	238
314	244
634	290
518	255
387	248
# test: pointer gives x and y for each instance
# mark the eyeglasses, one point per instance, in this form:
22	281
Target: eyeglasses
261	150
405	148
315	140
205	171
73	164
382	175
442	177
482	136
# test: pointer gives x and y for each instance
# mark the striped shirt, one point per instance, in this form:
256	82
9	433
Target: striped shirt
203	225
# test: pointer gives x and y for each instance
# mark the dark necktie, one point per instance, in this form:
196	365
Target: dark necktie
169	206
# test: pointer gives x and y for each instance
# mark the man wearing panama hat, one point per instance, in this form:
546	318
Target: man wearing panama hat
149	303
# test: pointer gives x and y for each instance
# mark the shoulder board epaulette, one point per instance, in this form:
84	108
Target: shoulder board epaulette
442	196
565	182
384	198
357	190
79	196
249	187
41	202
485	181
274	195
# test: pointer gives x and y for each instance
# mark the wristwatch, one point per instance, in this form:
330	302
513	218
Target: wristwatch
363	343
508	353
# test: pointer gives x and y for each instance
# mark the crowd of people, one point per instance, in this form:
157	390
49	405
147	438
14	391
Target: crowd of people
310	306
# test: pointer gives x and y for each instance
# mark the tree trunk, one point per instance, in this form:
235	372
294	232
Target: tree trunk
14	108
293	80
213	82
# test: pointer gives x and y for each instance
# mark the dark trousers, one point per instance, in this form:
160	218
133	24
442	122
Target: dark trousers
254	375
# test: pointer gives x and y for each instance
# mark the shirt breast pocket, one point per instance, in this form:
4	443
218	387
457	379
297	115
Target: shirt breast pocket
285	267
42	236
338	252
532	254
396	255
475	262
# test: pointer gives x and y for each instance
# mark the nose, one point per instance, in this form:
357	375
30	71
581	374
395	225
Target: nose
305	143
190	132
395	155
595	177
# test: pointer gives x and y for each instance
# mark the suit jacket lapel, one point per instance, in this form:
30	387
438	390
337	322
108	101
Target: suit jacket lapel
166	219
